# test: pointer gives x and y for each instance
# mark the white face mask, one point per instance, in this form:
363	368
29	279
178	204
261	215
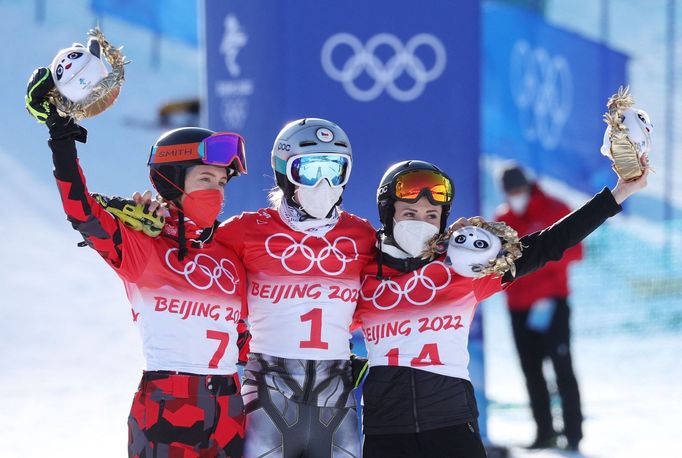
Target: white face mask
318	201
518	203
412	235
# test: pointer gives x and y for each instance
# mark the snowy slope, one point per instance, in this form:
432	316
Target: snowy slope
116	154
630	388
70	353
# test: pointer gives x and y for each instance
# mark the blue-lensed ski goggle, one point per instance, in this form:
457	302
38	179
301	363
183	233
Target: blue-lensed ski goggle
307	170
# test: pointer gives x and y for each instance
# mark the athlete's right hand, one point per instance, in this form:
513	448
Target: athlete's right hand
133	214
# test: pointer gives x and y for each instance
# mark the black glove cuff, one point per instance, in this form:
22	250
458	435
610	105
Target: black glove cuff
63	128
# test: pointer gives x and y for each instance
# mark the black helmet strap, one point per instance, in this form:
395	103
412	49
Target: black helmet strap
182	241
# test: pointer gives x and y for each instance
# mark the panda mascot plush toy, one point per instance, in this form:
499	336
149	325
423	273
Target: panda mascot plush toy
84	85
76	70
471	249
627	136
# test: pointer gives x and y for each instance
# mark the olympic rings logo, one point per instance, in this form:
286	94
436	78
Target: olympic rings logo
542	88
388	287
308	254
385	75
203	271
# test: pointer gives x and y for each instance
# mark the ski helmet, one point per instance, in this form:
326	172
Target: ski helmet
305	136
386	193
167	174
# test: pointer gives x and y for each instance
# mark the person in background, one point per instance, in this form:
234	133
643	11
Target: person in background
538	305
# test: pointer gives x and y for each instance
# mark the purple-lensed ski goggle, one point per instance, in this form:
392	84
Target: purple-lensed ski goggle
221	149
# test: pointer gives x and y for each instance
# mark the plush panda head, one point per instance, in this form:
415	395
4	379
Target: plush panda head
76	70
470	248
639	131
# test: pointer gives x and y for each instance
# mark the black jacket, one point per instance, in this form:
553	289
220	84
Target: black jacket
405	400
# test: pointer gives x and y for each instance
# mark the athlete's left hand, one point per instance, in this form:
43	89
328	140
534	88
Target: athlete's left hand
39	85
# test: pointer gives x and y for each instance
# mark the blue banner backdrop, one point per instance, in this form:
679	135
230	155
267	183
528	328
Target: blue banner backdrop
403	85
545	91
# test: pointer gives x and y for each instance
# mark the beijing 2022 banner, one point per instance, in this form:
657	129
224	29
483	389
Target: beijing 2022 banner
545	91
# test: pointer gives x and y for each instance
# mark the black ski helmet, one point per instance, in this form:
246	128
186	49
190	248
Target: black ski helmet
386	192
163	174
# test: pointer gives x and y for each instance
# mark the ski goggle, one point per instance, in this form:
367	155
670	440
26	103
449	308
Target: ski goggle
411	186
307	170
221	149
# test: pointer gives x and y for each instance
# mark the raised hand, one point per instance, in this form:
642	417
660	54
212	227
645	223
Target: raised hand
39	85
625	189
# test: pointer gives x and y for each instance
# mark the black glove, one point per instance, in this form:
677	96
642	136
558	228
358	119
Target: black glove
133	215
38	105
359	368
39	85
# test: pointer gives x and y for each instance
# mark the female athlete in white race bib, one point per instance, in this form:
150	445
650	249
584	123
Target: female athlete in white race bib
303	259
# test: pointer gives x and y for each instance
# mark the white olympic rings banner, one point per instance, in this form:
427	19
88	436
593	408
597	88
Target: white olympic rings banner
542	89
384	74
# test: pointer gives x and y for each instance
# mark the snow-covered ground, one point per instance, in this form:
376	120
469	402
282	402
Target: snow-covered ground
71	357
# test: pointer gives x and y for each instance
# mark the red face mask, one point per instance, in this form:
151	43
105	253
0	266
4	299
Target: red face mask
203	206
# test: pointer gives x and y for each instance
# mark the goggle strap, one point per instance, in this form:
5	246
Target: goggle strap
175	153
281	165
169	181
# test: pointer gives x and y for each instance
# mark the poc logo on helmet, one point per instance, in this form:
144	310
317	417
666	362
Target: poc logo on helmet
284	146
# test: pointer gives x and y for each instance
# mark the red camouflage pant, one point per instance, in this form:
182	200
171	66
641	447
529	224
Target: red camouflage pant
186	416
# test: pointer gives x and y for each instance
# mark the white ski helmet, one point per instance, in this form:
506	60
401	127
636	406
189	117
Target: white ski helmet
76	70
305	136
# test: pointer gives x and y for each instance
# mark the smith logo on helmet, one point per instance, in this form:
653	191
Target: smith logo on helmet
172	153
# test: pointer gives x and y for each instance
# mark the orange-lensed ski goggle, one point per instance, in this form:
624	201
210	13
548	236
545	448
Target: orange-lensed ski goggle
221	149
412	185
